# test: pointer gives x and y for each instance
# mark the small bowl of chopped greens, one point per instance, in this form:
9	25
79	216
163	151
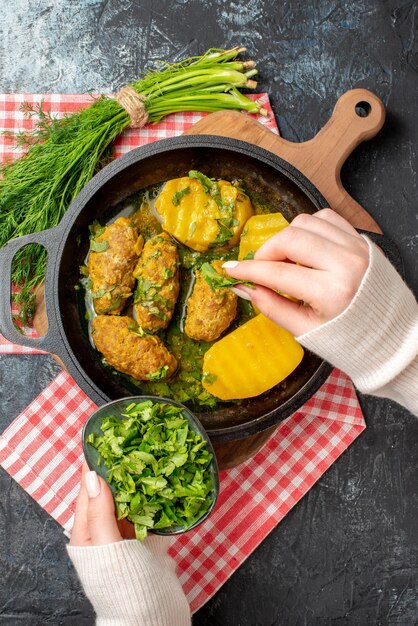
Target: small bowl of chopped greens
158	461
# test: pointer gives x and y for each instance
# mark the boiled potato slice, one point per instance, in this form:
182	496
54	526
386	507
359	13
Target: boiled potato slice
257	230
203	216
250	360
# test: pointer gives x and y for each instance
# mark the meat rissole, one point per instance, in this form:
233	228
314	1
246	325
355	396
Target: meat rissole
209	311
111	270
142	357
158	283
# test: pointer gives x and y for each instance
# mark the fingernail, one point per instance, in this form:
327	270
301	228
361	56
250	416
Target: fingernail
230	264
92	484
241	293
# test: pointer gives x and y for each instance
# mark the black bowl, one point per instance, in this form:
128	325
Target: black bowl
116	408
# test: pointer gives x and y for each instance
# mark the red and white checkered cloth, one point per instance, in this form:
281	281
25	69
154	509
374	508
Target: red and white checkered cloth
41	449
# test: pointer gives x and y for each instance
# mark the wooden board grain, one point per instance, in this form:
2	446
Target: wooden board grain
320	159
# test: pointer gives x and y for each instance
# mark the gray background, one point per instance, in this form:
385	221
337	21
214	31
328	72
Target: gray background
348	552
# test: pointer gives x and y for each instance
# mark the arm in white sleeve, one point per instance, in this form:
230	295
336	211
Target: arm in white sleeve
132	583
375	340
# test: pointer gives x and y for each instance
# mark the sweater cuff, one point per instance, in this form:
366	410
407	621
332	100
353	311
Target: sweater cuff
376	337
131	583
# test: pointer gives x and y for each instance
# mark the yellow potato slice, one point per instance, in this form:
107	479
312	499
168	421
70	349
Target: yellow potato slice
193	215
257	230
250	360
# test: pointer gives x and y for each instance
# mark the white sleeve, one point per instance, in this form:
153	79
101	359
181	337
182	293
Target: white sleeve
375	340
132	583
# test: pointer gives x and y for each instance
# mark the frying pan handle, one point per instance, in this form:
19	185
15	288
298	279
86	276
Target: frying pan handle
389	249
49	239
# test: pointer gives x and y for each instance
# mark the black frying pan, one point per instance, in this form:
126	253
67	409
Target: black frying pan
263	173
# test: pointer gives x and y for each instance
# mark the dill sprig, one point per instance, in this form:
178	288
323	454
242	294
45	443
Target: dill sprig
36	190
63	154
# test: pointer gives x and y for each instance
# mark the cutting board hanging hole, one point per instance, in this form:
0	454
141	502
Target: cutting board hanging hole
363	108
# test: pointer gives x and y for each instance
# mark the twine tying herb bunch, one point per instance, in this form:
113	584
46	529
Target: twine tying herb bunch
62	155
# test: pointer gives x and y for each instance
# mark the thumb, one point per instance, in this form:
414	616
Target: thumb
293	316
101	518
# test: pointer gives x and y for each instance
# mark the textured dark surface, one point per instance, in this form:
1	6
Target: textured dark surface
348	552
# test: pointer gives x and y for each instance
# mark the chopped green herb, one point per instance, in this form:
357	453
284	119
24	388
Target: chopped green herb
209	378
177	197
98	294
224	234
96	229
167	273
218	281
240	189
159	469
249	256
145	290
229	209
86	282
136	330
159	374
102	292
212	188
115	304
98	246
205	181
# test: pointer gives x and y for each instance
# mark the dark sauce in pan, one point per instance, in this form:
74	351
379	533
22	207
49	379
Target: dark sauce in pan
185	386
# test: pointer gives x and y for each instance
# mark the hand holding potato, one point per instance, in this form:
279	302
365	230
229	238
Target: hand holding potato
320	260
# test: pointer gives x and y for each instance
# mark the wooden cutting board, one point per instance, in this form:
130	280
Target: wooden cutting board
357	116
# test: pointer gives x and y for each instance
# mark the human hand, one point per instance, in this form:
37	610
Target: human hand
319	260
95	521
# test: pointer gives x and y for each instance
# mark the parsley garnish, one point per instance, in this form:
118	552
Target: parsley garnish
101	292
158	468
98	246
209	378
96	230
218	281
115	304
159	374
205	181
177	197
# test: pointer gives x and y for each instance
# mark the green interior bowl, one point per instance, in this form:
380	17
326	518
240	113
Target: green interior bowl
116	408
